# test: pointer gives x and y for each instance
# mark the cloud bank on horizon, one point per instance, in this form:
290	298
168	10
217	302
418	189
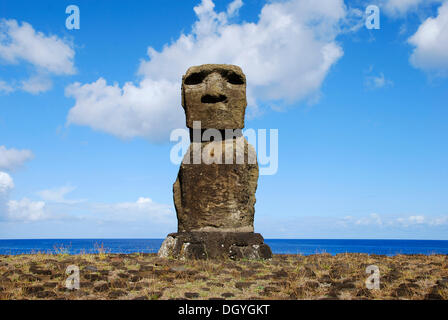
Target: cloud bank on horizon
24	209
54	205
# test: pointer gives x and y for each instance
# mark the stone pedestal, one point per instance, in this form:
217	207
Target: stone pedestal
215	245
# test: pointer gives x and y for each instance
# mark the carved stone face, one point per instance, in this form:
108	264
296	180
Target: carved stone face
214	94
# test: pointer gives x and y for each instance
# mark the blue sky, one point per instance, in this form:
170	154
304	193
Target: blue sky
85	115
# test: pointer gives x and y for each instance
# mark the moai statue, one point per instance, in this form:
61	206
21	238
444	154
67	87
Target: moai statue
214	193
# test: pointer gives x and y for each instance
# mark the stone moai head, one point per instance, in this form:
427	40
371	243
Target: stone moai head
215	95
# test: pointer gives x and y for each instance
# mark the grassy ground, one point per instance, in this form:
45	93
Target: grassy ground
145	276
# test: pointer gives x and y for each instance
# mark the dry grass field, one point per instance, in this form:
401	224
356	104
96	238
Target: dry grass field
145	276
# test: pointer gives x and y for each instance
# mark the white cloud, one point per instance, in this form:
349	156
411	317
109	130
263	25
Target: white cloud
37	84
353	20
377	82
48	54
431	43
149	109
140	210
286	55
234	7
5	87
6	182
439	221
22	42
391	221
58	195
26	210
414	220
55	206
417	219
22	210
13	158
373	218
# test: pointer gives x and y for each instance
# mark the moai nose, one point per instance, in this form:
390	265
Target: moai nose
214	89
214	84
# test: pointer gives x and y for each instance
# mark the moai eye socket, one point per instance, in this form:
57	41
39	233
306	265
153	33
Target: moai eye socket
233	77
195	78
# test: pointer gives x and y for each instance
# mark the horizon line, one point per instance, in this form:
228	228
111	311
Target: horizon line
390	239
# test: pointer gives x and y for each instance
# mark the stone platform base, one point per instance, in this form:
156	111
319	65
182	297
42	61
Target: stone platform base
215	245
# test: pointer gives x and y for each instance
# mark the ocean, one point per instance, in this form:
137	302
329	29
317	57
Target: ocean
278	246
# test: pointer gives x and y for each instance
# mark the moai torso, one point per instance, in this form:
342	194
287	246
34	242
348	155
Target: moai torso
216	195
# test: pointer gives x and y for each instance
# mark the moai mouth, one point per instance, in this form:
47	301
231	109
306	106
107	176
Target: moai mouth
209	98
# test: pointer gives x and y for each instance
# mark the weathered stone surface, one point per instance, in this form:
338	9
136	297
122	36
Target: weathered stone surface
214	94
217	196
214	193
213	245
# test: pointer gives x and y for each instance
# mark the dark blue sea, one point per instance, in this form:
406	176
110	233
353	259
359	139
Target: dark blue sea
279	246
